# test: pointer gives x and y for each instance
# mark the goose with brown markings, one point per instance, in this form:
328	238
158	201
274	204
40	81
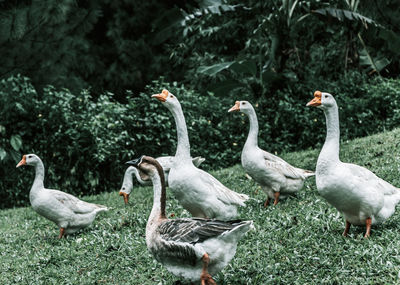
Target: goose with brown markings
276	177
196	190
190	248
68	212
362	197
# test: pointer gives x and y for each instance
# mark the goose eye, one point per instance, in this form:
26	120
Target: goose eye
29	156
172	96
123	188
244	103
326	96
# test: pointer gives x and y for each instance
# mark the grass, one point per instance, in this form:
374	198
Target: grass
296	242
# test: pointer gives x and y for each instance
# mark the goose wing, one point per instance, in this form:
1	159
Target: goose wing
166	162
365	176
281	166
194	230
223	193
71	202
179	236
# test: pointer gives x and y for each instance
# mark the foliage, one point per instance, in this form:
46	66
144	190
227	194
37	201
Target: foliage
84	141
296	242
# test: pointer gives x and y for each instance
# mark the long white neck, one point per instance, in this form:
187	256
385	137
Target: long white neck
128	182
252	138
183	148
39	178
330	151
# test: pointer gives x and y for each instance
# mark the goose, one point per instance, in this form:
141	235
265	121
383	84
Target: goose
361	196
197	191
165	162
68	212
276	177
190	248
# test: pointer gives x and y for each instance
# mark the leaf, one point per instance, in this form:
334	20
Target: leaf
372	64
343	15
16	142
216	7
3	153
246	66
222	88
212	70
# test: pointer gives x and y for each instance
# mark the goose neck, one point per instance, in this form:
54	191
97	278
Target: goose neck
37	185
39	175
330	150
252	137
159	197
183	147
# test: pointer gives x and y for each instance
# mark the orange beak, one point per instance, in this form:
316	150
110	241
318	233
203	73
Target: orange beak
126	196
22	162
317	99
161	97
235	107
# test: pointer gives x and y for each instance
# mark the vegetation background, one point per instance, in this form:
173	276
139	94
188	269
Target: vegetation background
76	79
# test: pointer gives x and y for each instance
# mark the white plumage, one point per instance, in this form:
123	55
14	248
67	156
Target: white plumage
65	210
361	196
165	162
197	191
276	177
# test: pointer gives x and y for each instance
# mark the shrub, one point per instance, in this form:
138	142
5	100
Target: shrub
84	142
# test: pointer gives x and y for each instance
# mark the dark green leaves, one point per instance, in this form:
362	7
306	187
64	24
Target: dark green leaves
16	142
345	15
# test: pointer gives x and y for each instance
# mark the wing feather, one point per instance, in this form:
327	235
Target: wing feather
194	230
277	163
74	204
223	193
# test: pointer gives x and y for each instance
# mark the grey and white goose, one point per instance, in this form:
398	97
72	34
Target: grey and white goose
276	177
165	162
190	248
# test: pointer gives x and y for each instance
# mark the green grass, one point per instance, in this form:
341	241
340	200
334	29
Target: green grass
297	242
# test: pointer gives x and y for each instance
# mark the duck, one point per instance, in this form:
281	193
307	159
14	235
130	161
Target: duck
276	177
197	191
165	161
69	213
191	248
362	197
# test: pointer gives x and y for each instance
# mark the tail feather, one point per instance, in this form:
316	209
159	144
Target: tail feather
101	208
238	232
308	173
198	160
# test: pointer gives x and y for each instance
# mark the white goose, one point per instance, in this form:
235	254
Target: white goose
189	248
361	196
197	191
165	162
276	177
67	211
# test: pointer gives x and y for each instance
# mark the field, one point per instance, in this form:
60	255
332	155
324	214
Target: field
298	241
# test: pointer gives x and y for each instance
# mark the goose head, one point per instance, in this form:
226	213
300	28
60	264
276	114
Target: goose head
322	100
29	159
147	167
127	184
167	98
242	106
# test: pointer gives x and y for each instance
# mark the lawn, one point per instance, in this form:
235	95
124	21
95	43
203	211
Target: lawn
296	242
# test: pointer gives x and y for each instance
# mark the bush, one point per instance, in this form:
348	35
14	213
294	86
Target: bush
84	142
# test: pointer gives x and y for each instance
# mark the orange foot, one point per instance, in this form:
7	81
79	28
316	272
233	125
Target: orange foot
206	279
266	203
276	195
